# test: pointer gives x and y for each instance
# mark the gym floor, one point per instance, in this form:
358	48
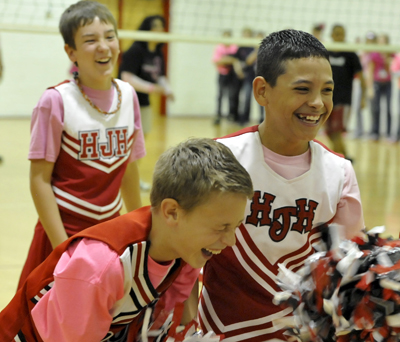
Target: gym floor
376	165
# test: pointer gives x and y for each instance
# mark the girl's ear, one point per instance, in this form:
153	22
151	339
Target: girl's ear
260	89
70	53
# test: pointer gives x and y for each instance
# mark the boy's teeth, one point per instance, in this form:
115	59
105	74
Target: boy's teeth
212	251
309	117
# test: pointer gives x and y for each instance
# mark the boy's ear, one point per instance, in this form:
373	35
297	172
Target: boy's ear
170	210
260	90
70	53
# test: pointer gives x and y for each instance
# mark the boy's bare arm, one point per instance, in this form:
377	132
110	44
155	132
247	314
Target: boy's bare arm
45	201
130	187
141	85
164	83
252	57
190	308
226	60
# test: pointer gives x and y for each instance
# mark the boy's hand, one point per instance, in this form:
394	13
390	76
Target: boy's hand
170	96
158	89
167	328
237	67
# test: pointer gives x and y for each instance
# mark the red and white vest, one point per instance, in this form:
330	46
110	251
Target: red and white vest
279	225
127	235
94	154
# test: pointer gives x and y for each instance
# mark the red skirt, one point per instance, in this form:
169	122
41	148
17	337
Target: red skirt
39	250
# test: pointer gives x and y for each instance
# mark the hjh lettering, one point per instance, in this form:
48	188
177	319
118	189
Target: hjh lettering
298	218
116	144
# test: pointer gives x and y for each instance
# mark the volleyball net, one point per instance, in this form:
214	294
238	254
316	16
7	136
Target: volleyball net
194	21
194	28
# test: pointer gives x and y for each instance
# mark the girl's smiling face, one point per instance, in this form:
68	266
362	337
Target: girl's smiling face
96	53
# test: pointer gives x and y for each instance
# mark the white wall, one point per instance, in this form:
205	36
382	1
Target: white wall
193	78
32	62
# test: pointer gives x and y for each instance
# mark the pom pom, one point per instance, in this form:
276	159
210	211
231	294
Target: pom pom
166	327
349	290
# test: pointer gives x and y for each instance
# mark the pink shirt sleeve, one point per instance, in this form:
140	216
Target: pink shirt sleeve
218	53
349	210
88	280
395	66
222	50
181	287
138	148
47	127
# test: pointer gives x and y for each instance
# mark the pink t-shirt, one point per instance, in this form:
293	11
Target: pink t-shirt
220	51
381	68
349	210
395	66
47	123
88	280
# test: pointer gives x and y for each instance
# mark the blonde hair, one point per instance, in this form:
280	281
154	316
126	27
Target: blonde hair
194	169
81	14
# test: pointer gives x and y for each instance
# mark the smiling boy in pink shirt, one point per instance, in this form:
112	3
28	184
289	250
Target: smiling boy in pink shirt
299	184
102	283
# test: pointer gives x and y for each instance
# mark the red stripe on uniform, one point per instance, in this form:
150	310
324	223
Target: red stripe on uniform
297	252
256	269
93	211
254	248
136	278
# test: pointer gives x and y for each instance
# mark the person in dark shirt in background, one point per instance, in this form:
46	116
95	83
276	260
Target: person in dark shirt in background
345	67
143	67
246	73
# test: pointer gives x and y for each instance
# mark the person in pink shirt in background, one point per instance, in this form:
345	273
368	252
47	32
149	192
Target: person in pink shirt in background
86	137
370	38
380	85
110	282
395	68
227	79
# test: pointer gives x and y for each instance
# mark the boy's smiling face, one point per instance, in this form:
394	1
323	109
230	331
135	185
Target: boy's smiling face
96	53
297	106
209	228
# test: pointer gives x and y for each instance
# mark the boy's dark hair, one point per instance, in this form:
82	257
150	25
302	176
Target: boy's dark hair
195	169
81	14
278	47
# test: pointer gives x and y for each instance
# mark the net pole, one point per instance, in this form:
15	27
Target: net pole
182	38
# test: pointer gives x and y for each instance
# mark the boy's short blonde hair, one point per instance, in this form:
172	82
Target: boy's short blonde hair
196	168
81	14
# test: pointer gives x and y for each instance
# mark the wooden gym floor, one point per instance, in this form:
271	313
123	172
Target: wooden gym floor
376	165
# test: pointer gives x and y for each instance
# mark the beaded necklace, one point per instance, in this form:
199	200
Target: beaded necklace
90	101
